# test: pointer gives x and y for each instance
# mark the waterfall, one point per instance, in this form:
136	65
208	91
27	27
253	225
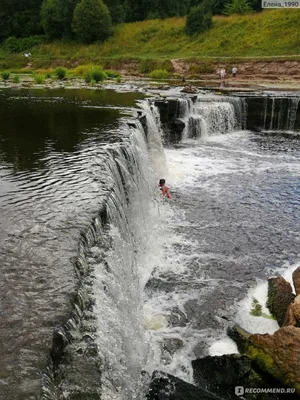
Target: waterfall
280	113
184	111
112	270
154	137
292	113
215	116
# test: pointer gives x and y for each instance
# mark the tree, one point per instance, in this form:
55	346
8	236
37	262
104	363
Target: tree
217	6
238	7
57	16
19	18
116	10
135	10
91	21
255	5
199	19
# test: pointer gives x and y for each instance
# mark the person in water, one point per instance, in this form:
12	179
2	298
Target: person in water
164	189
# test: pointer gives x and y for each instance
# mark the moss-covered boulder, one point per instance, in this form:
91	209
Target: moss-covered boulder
280	296
239	336
277	354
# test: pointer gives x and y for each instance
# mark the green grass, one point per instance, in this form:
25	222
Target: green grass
150	45
159	74
269	33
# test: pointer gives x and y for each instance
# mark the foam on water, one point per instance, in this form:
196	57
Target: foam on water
265	323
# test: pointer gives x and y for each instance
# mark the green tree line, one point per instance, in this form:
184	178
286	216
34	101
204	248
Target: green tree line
91	20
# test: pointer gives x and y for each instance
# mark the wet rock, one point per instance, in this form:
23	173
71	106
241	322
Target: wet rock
77	383
172	345
168	387
189	89
239	336
296	309
293	313
280	296
290	317
277	355
296	280
220	375
180	124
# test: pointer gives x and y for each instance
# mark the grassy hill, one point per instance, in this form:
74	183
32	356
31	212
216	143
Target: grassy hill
271	33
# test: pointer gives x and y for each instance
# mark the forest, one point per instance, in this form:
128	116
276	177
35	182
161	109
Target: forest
88	21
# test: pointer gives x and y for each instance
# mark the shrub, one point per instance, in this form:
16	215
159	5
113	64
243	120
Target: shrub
199	19
111	74
81	70
237	7
118	79
14	45
91	21
60	72
16	79
146	66
5	75
88	77
160	74
98	75
39	78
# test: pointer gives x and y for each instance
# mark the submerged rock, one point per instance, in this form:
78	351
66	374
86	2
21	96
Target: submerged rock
167	387
189	89
280	296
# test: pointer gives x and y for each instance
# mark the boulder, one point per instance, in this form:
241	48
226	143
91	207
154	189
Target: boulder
290	317
189	89
280	296
239	336
293	313
220	375
296	280
167	387
277	354
296	310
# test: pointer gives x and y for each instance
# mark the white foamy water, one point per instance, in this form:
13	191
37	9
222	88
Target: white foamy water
233	223
262	324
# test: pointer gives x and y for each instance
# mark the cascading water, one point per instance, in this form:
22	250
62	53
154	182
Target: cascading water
206	116
274	113
160	279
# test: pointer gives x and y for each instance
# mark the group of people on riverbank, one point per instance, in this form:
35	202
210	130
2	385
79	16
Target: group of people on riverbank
222	73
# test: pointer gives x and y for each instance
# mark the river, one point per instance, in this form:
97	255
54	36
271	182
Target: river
91	253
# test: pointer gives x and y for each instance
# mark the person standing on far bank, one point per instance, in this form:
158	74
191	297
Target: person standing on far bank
234	71
222	74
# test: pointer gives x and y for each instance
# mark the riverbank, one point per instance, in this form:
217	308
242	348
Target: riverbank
242	82
262	45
